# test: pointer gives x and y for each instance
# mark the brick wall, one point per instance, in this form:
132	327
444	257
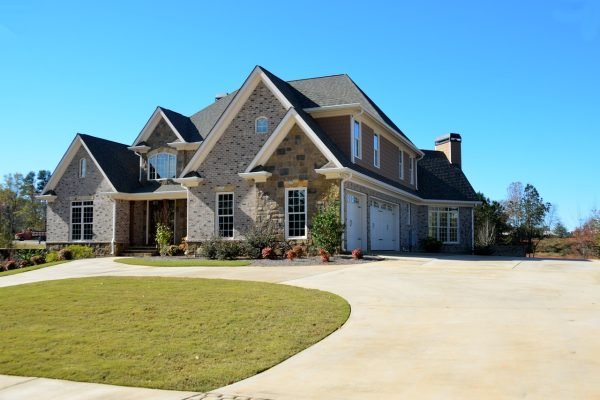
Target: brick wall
338	129
73	188
464	229
230	156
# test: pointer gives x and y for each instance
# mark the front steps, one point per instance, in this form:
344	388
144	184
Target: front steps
139	251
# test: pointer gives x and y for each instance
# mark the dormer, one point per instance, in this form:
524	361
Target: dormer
165	145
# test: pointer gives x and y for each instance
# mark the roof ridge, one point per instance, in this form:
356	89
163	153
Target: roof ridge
317	77
82	135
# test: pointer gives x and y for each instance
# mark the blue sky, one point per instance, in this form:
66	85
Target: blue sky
519	80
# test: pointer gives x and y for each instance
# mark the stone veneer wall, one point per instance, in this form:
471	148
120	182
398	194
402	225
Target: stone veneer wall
464	230
73	188
230	156
293	165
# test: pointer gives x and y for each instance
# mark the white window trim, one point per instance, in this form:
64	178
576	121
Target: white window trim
377	151
80	240
287	218
149	166
82	167
412	170
256	125
401	165
353	142
217	215
447	226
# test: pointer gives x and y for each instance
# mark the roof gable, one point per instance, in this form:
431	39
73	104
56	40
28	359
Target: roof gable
440	180
182	126
116	163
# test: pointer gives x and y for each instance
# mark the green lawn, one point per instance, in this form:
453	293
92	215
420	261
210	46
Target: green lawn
169	333
32	268
183	262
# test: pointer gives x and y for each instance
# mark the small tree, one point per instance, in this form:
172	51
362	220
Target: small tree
164	235
560	230
327	228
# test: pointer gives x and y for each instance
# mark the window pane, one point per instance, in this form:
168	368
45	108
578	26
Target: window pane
296	213
162	166
225	214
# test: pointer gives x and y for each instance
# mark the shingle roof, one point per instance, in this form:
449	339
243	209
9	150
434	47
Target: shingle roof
440	180
205	119
120	165
184	125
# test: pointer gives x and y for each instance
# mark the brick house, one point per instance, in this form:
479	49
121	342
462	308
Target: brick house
270	151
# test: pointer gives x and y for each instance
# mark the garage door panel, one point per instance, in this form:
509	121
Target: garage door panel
384	225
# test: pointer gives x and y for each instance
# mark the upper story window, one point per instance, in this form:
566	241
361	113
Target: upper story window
376	150
262	125
401	165
82	168
162	166
356	140
411	170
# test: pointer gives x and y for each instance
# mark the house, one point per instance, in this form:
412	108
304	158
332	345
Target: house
270	151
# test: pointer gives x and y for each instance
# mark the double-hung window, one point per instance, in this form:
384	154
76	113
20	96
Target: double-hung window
162	166
443	224
356	140
411	170
225	215
295	213
376	152
82	220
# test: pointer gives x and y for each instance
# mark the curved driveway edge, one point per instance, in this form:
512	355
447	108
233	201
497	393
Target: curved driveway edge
422	328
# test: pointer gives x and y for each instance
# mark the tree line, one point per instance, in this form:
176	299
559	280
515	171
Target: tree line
524	218
19	207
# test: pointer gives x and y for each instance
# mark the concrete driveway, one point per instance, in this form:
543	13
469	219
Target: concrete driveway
426	328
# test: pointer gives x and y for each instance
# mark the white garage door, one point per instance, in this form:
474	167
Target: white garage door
384	225
355	220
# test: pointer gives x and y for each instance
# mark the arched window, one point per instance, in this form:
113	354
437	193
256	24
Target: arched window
82	168
162	166
262	125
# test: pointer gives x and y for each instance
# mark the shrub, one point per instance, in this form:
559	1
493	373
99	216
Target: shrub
431	245
228	250
24	263
208	249
163	238
291	255
27	254
267	252
9	265
324	255
357	254
174	250
260	236
327	228
65	254
483	250
79	251
299	250
37	260
52	257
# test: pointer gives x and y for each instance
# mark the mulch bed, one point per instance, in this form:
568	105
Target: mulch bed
340	259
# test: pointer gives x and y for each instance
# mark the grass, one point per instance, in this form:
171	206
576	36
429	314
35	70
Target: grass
168	333
27	269
28	245
183	262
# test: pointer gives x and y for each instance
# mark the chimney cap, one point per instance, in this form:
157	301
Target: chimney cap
448	137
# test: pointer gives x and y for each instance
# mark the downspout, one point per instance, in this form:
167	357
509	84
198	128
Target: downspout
472	231
114	228
343	206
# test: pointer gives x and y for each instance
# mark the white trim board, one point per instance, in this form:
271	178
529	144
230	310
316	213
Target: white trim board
152	123
256	76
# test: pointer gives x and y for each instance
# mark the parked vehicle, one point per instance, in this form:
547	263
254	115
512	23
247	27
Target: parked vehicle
28	234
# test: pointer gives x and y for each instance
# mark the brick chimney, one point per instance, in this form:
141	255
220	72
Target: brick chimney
450	145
